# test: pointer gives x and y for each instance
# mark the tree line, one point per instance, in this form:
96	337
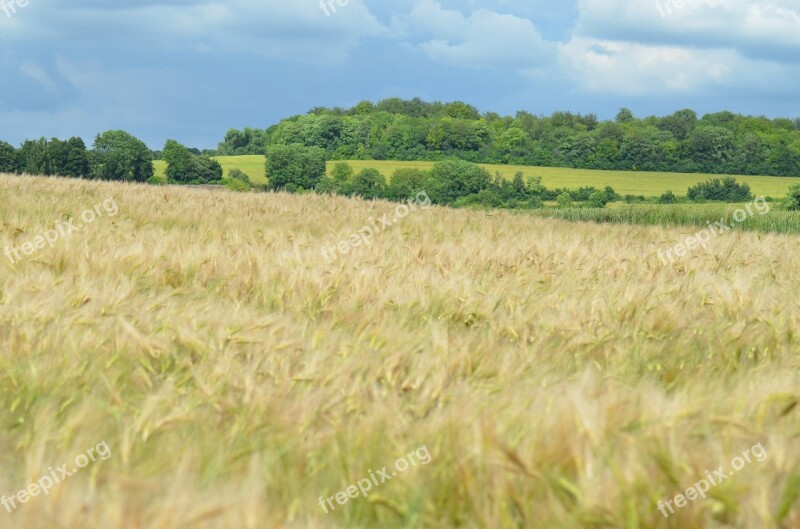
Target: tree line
397	129
459	183
115	155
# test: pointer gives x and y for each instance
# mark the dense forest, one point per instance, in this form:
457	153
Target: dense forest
396	129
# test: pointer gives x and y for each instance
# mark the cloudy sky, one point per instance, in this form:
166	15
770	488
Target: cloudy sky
190	70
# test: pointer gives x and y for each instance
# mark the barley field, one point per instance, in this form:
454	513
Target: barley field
557	373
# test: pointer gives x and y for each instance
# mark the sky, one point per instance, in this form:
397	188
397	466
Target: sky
190	70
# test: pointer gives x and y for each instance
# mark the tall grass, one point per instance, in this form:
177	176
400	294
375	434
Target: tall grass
775	221
560	376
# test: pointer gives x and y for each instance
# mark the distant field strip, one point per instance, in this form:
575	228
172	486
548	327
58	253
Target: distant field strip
678	215
624	182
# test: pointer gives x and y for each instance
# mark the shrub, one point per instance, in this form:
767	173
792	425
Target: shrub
237	174
668	198
725	190
234	184
792	200
598	199
611	195
630	199
327	186
487	198
564	200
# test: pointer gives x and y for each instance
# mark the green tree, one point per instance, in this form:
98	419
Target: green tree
8	158
450	180
461	110
368	184
342	172
185	167
206	170
405	184
294	167
69	158
712	148
625	116
179	162
397	129
118	155
34	158
680	124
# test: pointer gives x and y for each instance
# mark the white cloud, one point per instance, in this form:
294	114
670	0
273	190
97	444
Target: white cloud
273	28
655	47
738	24
484	38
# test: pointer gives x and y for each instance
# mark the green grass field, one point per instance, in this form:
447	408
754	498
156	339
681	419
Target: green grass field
624	182
252	166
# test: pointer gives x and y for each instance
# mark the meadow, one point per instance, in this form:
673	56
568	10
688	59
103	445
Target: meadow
647	184
559	375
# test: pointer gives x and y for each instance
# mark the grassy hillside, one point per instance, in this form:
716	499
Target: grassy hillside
623	182
559	375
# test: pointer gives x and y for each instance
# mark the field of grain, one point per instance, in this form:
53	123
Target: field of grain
558	374
647	184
